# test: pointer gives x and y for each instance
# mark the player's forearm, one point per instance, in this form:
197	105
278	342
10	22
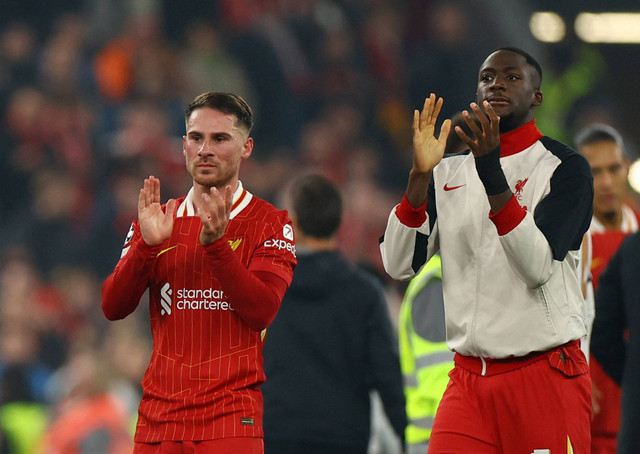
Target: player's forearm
417	187
122	290
255	296
526	248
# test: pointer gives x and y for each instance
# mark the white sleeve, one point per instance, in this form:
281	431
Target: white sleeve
405	249
529	253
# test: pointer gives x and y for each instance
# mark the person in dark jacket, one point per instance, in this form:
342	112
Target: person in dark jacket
616	335
331	344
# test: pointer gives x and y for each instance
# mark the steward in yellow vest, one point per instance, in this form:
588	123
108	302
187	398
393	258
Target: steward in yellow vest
425	359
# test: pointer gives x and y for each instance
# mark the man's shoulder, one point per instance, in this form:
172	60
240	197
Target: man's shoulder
257	207
568	156
634	214
263	219
560	149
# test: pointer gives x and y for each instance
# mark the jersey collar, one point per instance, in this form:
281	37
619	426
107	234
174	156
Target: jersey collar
519	139
241	198
629	222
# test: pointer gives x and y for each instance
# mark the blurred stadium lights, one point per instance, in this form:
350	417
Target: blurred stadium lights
547	27
621	28
614	28
634	176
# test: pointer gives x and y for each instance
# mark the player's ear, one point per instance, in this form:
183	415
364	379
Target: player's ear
537	98
247	148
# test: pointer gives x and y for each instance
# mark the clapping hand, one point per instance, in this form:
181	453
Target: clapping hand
214	209
485	140
427	150
155	225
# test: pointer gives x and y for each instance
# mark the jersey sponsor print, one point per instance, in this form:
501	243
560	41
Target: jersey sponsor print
193	299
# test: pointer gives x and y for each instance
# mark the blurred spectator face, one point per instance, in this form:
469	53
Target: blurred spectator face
18	343
23	114
55	195
610	170
214	147
17	43
447	23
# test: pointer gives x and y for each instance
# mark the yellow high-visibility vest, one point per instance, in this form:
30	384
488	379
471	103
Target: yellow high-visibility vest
425	364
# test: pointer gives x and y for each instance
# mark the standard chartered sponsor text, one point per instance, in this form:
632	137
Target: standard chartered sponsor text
208	299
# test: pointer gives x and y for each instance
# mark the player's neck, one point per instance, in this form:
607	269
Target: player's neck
309	243
611	220
202	189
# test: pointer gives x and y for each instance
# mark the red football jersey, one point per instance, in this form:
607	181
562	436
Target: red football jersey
606	423
206	365
604	245
606	242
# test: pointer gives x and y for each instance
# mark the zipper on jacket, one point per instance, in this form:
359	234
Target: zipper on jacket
547	309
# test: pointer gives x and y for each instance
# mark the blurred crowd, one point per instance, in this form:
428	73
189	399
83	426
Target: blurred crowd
91	102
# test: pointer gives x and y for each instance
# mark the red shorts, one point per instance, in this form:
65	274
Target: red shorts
222	446
537	404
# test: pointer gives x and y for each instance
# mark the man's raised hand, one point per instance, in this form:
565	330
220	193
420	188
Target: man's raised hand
214	209
427	149
486	140
155	225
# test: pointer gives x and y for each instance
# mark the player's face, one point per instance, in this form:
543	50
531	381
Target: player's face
510	85
610	170
214	147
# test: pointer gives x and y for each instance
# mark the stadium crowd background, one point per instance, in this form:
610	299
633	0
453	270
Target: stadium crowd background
91	102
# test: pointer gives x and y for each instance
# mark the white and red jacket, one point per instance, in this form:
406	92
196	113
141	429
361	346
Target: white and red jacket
511	280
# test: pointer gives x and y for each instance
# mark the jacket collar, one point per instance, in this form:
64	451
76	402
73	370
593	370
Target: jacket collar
519	139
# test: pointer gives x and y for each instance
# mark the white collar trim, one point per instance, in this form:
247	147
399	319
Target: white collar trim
629	222
187	208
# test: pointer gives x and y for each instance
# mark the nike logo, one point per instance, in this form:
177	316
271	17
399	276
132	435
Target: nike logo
451	188
166	250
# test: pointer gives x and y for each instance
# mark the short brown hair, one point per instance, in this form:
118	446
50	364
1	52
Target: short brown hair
227	103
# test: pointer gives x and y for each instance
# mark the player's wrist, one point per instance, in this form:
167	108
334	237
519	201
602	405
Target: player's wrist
490	172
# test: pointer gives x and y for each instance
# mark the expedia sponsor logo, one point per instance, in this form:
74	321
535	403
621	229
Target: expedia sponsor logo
281	244
193	299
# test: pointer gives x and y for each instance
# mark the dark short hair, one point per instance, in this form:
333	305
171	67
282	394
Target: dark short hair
227	103
528	58
317	203
597	132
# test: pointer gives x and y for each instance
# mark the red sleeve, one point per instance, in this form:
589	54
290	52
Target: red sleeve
122	290
508	217
410	216
255	296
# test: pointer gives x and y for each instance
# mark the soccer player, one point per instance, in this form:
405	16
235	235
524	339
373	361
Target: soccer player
508	217
615	336
216	264
612	221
